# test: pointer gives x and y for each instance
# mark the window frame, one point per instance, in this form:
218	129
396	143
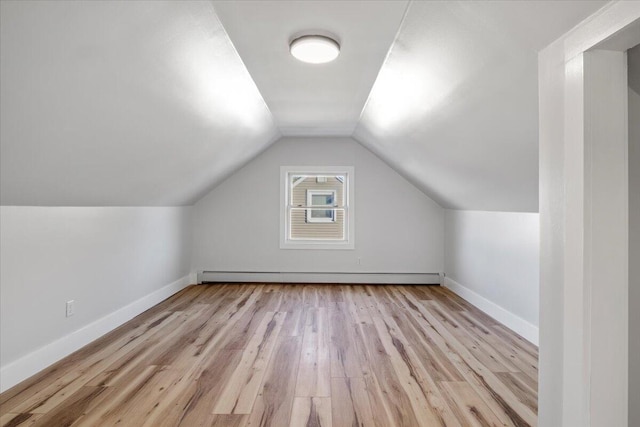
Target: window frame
348	242
309	216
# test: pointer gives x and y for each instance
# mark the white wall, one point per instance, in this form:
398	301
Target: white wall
108	259
492	259
552	224
397	228
583	218
634	240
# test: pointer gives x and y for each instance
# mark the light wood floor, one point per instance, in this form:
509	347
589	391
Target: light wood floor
299	355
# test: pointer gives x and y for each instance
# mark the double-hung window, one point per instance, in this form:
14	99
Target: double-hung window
316	207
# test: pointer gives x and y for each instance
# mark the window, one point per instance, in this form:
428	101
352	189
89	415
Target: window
316	208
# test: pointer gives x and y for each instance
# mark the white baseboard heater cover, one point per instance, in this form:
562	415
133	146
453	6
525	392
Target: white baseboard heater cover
319	277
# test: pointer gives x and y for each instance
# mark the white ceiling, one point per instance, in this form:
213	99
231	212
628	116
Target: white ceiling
305	99
454	108
148	103
122	103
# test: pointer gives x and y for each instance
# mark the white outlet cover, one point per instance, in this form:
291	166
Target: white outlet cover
70	308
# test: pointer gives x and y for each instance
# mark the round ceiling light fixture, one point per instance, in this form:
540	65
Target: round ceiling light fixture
314	49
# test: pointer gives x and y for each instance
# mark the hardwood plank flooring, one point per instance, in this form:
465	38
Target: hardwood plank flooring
282	355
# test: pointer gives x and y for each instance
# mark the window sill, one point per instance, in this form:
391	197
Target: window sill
315	245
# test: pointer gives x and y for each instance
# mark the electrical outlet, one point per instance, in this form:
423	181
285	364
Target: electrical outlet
71	309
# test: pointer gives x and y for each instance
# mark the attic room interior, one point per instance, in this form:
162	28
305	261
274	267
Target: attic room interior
320	213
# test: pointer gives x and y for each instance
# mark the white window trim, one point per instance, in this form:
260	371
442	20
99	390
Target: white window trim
310	194
349	208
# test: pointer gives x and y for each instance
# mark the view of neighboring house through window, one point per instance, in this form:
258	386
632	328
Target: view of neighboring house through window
321	198
316	208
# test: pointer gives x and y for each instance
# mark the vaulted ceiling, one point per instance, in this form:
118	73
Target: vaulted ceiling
154	103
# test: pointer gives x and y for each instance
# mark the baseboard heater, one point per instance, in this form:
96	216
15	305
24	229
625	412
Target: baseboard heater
211	276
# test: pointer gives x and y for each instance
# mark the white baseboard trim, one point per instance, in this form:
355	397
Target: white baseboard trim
193	278
319	277
34	362
517	324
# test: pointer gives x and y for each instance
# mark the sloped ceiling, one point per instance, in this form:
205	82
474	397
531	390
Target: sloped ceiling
124	103
154	103
454	108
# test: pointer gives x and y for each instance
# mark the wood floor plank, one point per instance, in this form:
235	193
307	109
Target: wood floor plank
384	385
448	299
502	401
125	360
428	404
350	403
243	386
314	371
522	361
292	354
69	375
246	326
291	302
356	295
469	406
518	384
482	351
515	340
345	361
119	397
227	420
421	292
274	402
19	420
310	296
140	403
189	400
437	364
311	412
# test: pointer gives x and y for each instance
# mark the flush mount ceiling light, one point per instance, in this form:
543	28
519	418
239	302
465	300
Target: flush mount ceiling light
314	49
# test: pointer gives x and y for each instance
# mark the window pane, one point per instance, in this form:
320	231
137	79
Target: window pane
322	213
322	200
301	229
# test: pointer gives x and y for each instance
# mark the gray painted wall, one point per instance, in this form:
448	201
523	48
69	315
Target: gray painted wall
634	236
497	256
398	228
104	258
